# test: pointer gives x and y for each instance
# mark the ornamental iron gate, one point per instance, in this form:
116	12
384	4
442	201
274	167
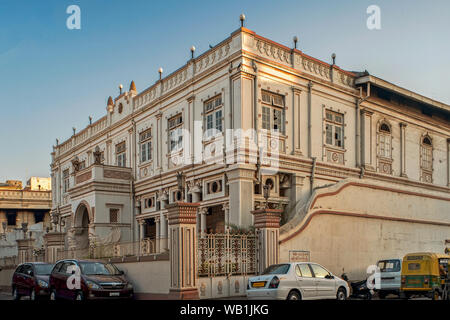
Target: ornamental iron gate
227	254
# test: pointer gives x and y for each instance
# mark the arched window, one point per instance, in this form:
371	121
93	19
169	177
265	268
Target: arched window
384	141
426	153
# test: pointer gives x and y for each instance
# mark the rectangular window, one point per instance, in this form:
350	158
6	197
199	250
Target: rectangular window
121	154
272	111
66	180
145	140
175	133
213	115
113	215
334	129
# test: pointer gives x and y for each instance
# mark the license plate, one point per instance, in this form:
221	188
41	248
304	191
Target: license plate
114	294
258	284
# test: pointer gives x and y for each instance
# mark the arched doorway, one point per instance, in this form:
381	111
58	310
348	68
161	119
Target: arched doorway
81	226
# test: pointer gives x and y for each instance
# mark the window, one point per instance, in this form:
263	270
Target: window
175	133
305	271
334	129
145	140
121	155
319	272
113	215
66	180
272	111
384	141
277	269
426	159
213	115
389	265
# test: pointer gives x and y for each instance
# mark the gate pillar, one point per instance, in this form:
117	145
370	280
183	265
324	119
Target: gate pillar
182	218
267	224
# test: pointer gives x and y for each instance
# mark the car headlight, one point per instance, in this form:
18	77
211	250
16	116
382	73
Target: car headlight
42	284
92	285
129	286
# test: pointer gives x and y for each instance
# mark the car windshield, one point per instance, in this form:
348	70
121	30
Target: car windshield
43	269
277	269
98	268
389	265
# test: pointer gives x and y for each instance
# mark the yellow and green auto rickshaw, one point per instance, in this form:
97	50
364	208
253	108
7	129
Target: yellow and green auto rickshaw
425	274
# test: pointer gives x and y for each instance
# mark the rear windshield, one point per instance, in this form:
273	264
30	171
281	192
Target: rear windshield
277	269
98	268
389	265
43	269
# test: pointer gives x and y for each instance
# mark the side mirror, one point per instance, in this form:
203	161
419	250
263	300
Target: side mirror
121	272
73	271
329	276
30	273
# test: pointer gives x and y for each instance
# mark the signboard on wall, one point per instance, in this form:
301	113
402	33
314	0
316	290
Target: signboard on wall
298	256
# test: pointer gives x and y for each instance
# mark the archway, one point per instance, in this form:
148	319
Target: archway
81	226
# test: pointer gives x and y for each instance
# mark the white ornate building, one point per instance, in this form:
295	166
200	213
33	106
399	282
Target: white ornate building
360	166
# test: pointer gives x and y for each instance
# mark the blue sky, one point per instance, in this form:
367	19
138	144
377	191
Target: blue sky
52	78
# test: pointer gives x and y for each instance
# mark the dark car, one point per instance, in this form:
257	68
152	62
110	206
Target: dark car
31	279
85	279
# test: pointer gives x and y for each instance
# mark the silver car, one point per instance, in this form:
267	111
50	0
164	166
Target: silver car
297	281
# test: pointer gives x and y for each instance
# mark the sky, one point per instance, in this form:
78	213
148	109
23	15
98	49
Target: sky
53	78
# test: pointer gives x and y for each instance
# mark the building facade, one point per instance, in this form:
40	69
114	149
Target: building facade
252	123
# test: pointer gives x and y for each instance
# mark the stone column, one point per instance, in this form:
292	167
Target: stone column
163	233
448	162
203	212
241	199
183	250
367	144
158	234
226	208
25	248
296	148
53	242
267	224
403	149
141	229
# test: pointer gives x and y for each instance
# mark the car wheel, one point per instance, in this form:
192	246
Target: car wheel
53	295
368	296
381	295
294	295
79	296
33	295
341	294
16	296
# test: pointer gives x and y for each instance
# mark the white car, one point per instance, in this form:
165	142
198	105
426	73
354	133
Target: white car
297	281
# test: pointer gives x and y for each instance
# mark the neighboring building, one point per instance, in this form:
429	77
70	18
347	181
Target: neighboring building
30	205
373	157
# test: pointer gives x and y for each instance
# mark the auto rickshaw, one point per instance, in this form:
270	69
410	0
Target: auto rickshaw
425	274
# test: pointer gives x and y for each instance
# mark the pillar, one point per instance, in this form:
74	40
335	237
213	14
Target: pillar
267	224
203	212
226	208
25	247
240	182
53	242
367	145
163	232
141	229
403	149
158	234
296	148
183	250
297	193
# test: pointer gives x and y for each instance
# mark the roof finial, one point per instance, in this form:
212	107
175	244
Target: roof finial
295	42
242	19
132	86
120	88
160	70
192	52
333	56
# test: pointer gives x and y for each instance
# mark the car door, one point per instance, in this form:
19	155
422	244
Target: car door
18	279
27	276
325	282
56	278
306	281
66	272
